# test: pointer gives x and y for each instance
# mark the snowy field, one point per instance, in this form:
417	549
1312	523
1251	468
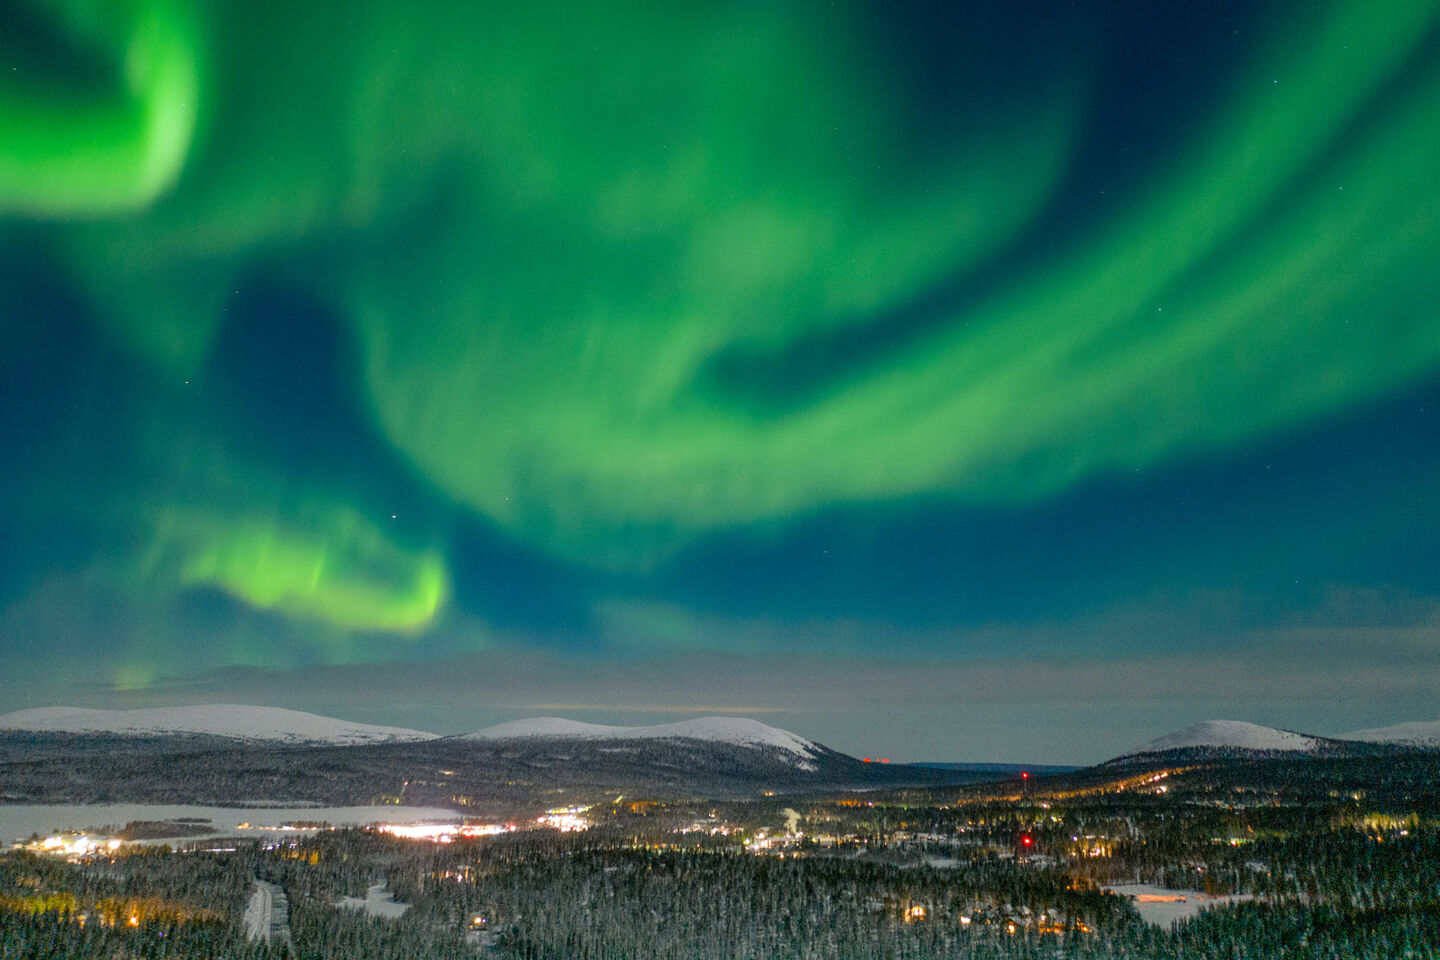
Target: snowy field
1164	907
20	821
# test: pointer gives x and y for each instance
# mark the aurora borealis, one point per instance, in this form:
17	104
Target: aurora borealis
495	349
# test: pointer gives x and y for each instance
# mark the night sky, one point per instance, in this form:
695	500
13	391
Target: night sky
957	381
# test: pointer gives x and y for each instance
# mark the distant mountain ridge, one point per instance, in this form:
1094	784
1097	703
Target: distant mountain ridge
277	726
740	731
57	755
1420	733
1037	769
1238	738
1233	734
230	721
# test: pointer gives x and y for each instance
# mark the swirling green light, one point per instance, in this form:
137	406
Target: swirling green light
584	249
94	152
1217	292
346	573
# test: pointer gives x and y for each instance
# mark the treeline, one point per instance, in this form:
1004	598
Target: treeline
1340	894
593	897
484	777
59	936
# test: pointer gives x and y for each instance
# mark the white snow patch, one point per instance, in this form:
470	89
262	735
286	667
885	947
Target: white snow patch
378	902
737	730
235	721
1235	734
1421	733
1164	907
267	917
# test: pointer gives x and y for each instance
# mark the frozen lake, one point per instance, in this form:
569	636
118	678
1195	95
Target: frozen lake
20	821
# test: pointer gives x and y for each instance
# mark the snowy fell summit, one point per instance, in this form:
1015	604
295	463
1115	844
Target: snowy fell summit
739	731
230	721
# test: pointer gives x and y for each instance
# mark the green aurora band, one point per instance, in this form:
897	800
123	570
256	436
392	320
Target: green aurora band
583	248
349	576
72	153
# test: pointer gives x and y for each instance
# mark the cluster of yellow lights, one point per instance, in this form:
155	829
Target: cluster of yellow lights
566	821
75	845
445	832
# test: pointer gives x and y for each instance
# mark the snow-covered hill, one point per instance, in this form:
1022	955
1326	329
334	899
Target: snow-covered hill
1419	733
1231	735
233	721
735	730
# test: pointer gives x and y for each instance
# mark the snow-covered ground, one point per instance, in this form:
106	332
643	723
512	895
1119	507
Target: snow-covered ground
737	730
1421	733
20	821
1164	907
240	722
1235	734
378	902
267	916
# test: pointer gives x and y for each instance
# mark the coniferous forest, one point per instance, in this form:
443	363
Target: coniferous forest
1292	862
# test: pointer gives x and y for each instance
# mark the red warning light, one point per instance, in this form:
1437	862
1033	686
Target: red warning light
1025	775
1026	839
